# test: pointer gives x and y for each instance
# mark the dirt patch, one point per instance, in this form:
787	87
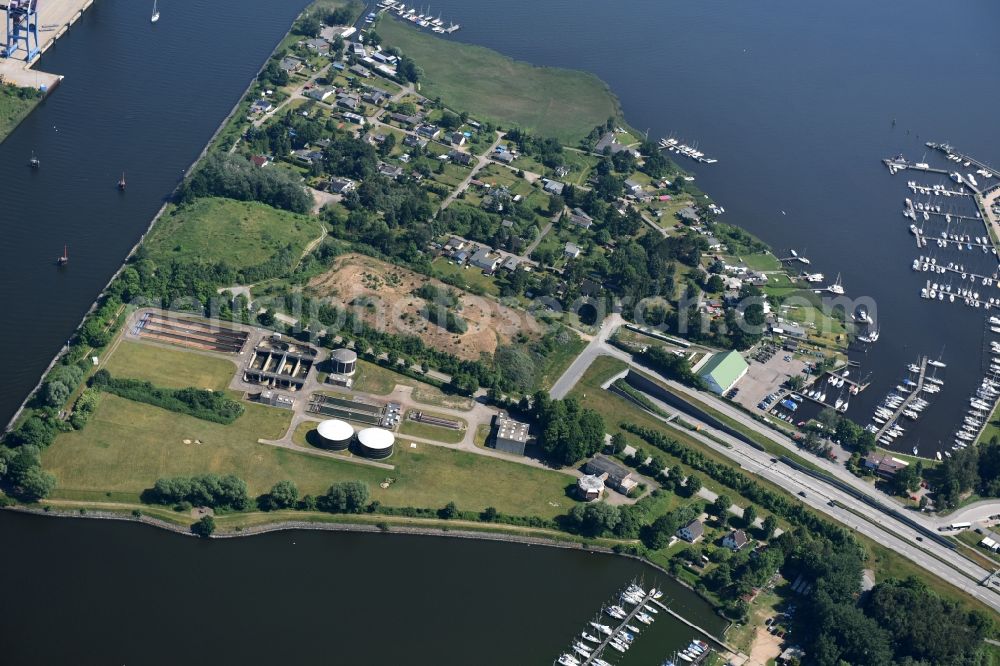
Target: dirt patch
382	295
766	646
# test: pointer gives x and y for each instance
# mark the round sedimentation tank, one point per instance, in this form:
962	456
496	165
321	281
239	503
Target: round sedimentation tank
335	434
343	361
375	443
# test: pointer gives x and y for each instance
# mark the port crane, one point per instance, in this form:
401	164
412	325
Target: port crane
21	29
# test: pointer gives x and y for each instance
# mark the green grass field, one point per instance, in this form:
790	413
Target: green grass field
547	101
169	368
126	446
242	234
13	109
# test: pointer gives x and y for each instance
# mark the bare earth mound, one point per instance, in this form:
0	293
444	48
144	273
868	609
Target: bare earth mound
383	296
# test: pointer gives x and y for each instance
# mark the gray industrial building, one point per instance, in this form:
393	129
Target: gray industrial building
509	435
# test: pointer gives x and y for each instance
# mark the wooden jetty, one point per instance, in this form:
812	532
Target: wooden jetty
906	401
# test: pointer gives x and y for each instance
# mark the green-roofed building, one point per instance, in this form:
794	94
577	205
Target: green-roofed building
723	370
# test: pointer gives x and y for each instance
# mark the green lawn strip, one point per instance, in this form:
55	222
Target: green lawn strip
549	102
169	368
969	541
126	446
239	233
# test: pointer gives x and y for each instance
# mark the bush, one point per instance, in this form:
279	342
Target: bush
204	528
199	403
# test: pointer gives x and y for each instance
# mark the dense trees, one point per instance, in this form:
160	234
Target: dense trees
671	365
344	497
976	468
212	490
569	432
231	176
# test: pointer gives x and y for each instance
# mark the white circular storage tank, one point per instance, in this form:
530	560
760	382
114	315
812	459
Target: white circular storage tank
343	361
376	443
335	434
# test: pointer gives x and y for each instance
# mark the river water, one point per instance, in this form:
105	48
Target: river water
145	99
797	101
97	592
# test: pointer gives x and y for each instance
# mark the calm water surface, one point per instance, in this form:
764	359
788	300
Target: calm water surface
797	100
93	592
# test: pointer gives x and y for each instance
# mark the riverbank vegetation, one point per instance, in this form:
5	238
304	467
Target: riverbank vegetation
199	403
554	102
15	104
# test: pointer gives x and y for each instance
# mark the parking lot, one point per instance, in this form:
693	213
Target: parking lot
766	375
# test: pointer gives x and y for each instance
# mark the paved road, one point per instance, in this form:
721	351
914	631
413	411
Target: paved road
598	346
888	531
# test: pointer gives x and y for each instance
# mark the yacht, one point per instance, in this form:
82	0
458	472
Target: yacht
568	660
836	287
603	628
590	637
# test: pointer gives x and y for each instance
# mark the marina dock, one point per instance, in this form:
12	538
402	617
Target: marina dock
54	19
599	650
906	401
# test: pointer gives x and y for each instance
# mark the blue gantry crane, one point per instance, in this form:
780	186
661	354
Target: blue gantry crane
22	29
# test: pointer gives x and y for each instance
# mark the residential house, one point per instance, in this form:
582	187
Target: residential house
571	251
429	131
689	215
511	262
552	186
390	170
692	531
506	157
413	141
735	540
260	161
457	139
358	49
884	464
261	106
291	64
611	473
404	119
507	224
318	45
341	185
374	97
349	102
455	243
353	118
307	156
461	257
319	93
361	71
578	217
486	259
632	186
458	157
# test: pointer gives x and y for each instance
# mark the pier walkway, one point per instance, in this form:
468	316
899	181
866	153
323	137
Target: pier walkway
906	401
599	650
